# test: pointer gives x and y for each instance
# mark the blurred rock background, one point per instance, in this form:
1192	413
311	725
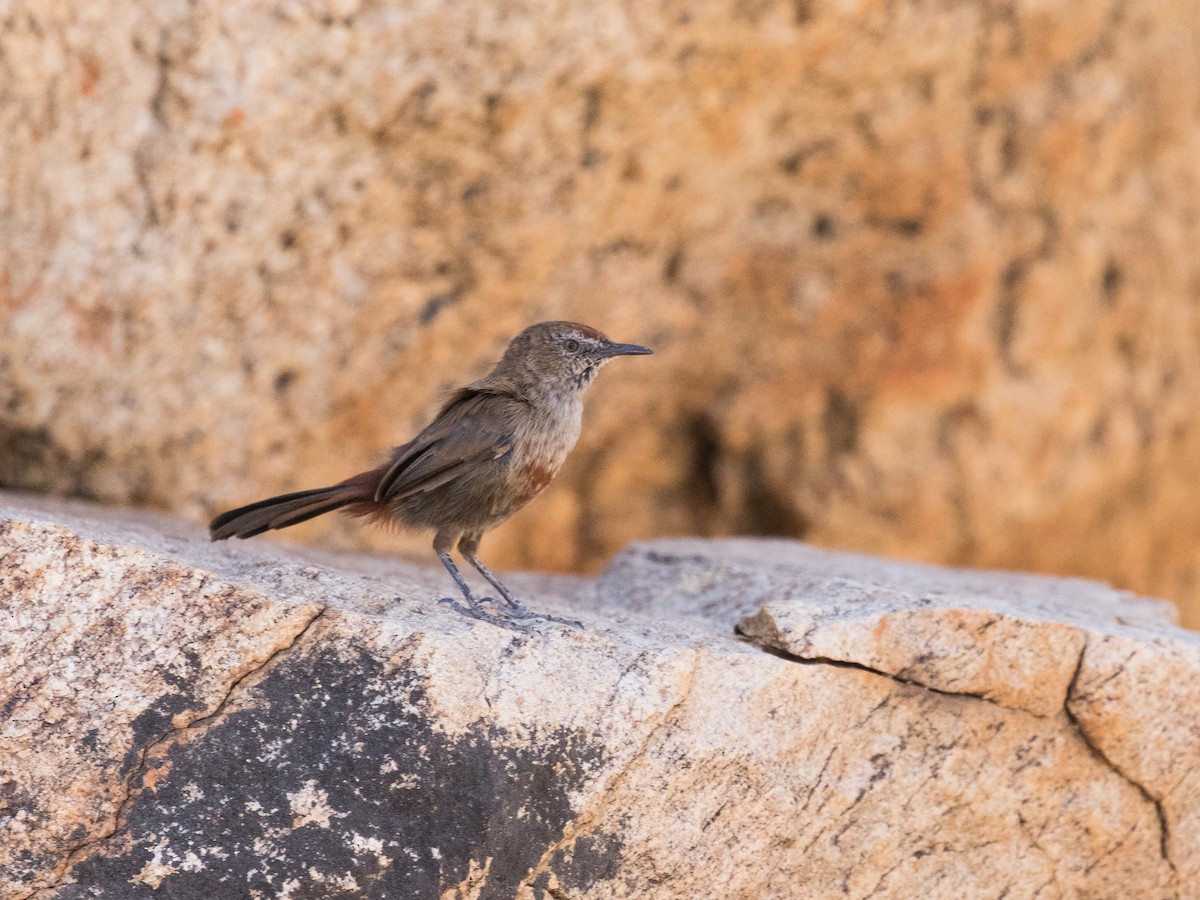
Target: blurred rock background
923	278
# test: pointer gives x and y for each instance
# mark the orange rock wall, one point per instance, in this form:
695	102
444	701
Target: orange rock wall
923	278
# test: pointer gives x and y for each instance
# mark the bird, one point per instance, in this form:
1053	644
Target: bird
494	445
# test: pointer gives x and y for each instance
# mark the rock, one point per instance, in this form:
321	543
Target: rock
255	720
920	277
1013	639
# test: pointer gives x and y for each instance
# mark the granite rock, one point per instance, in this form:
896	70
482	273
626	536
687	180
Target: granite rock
921	277
256	721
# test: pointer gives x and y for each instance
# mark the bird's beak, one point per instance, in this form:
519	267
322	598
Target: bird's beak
611	349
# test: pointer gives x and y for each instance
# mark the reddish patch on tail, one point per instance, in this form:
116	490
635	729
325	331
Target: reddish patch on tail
368	508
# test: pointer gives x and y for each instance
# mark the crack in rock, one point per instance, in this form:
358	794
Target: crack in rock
1097	753
847	664
1022	663
1094	747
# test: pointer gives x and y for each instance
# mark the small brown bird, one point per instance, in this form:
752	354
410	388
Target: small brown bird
493	447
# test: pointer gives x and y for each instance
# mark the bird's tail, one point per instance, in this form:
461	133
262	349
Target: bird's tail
284	511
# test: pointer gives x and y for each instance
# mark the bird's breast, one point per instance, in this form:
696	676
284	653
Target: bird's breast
540	452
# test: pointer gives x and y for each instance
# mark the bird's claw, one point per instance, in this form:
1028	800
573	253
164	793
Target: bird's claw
474	612
509	614
516	611
512	608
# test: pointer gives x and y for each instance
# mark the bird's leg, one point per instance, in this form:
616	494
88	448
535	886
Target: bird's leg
514	607
472	607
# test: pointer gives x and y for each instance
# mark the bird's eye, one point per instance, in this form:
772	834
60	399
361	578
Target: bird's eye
572	346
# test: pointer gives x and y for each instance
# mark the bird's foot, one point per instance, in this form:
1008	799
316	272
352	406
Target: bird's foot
513	609
473	611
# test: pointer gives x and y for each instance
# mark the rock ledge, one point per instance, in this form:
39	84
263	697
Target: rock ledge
259	721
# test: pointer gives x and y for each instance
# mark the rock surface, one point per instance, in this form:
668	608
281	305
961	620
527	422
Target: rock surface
921	276
185	719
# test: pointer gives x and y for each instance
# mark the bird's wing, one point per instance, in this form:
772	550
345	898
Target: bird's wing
473	427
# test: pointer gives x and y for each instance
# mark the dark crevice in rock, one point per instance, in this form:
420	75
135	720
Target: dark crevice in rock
841	422
724	483
1164	826
704	439
34	459
764	512
138	771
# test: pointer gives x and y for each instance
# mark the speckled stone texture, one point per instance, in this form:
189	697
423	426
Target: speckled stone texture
922	276
192	720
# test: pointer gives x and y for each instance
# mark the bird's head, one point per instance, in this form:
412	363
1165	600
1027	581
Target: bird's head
561	357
